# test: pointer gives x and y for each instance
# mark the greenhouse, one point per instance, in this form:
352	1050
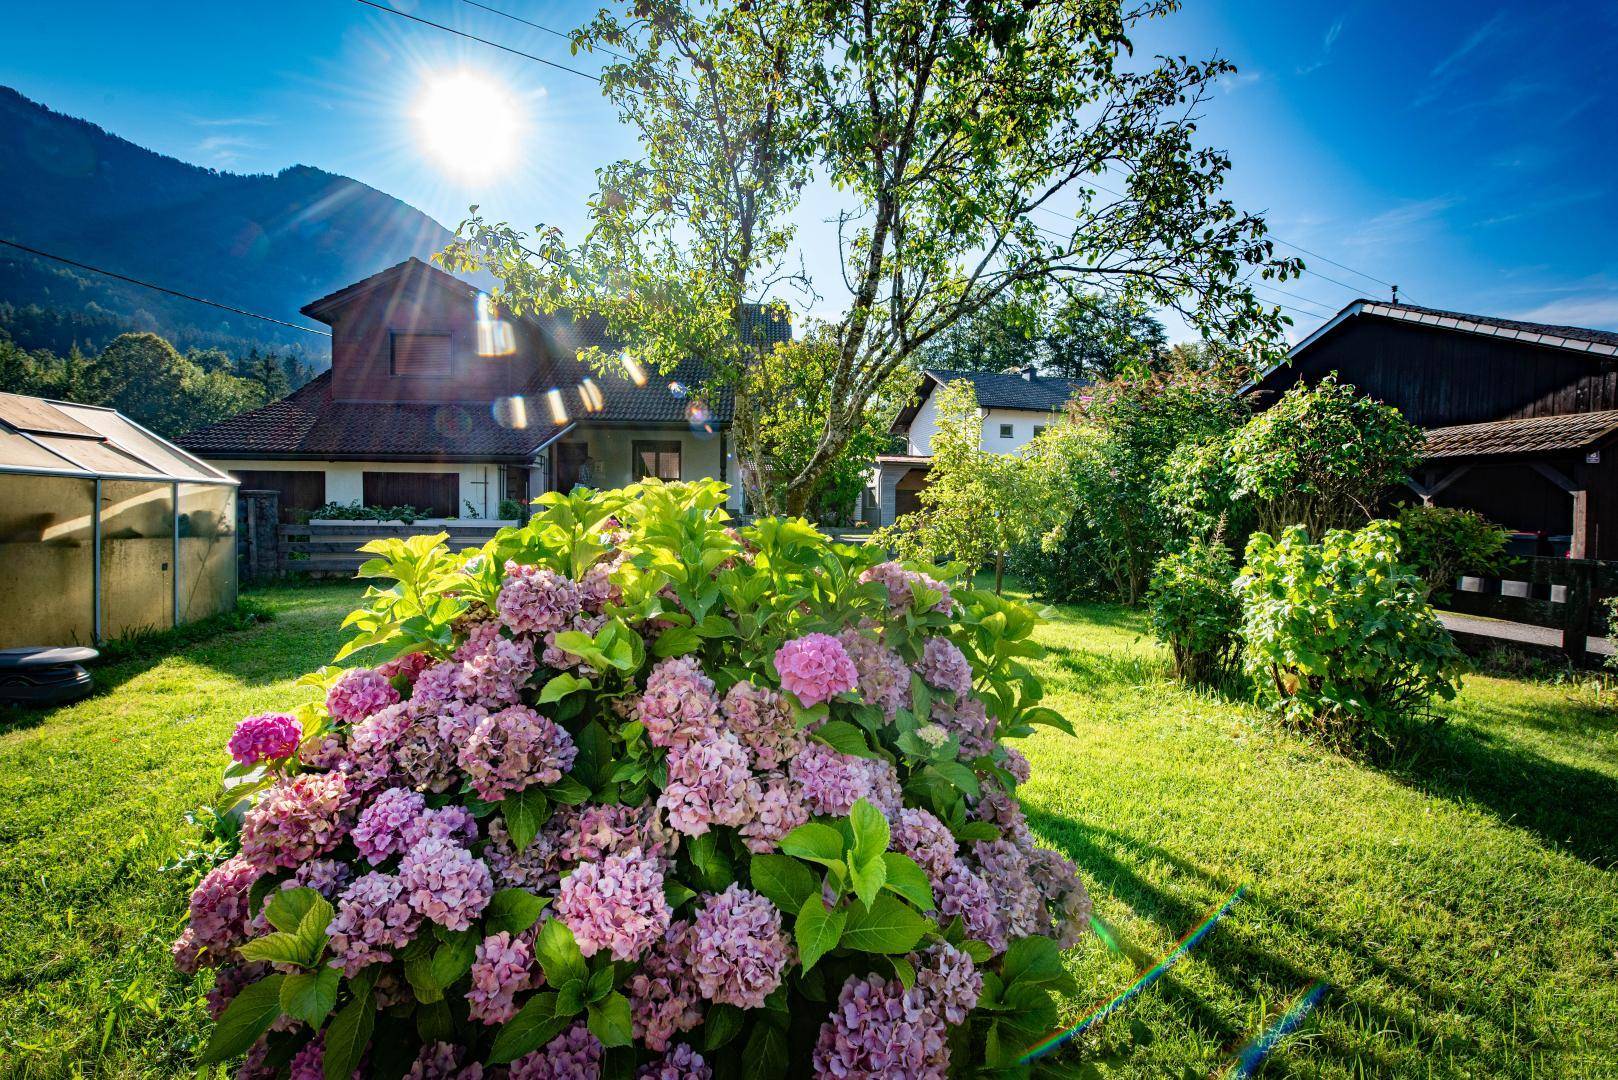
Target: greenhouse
106	530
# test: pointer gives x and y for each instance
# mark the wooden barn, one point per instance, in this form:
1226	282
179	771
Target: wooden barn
1521	418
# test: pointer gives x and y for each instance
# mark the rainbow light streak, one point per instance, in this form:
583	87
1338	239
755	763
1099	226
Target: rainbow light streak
589	393
632	368
1196	934
553	397
1256	1051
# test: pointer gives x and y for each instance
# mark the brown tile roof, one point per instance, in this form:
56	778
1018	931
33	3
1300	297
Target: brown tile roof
1536	435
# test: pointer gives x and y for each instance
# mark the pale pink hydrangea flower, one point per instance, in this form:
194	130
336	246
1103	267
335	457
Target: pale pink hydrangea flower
445	883
970	722
437	685
513	748
596	588
296	819
832	782
534	868
219	916
536	599
960	891
815	668
443	1061
763	721
681	1063
373	916
501	971
267	737
391	825
738	948
1016	763
590	833
881	1030
945	667
999	809
919	834
358	693
949	980
575	1054
616	904
779	810
709	784
679	703
495	672
884	680
663	995
896	579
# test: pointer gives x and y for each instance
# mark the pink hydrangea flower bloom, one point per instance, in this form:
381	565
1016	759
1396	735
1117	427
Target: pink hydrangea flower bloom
879	1029
681	1063
296	819
373	916
359	693
884	680
513	748
663	995
919	834
501	971
1058	881
615	904
709	784
949	980
219	915
229	981
945	667
370	759
960	891
534	868
679	703
896	579
437	685
738	948
832	782
443	1061
445	883
779	810
968	721
1020	906
494	672
409	666
590	833
815	668
267	737
575	1054
535	599
763	721
391	825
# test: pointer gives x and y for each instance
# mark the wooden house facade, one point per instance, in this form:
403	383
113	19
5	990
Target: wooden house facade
1521	418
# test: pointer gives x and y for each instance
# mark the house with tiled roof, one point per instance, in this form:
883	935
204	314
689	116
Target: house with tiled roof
1521	418
1015	405
436	400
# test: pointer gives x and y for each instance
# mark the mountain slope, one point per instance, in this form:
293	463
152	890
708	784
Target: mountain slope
264	243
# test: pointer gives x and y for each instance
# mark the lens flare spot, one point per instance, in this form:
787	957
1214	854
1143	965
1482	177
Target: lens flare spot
632	368
592	397
452	421
553	398
700	417
510	412
679	389
495	335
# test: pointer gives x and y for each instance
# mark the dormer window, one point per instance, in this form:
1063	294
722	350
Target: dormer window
420	354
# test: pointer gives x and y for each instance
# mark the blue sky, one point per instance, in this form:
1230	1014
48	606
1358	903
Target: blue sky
1468	152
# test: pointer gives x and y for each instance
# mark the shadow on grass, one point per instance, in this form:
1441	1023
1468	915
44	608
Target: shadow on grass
1569	808
1109	860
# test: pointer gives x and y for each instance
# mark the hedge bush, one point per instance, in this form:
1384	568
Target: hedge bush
1441	543
1339	636
1194	611
629	792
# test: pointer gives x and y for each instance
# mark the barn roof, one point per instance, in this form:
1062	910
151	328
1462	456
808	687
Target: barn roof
1577	338
1536	435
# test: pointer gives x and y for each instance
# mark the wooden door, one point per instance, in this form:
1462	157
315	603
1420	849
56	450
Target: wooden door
570	458
300	489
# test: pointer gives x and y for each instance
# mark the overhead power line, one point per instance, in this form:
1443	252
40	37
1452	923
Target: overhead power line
551	30
163	288
480	40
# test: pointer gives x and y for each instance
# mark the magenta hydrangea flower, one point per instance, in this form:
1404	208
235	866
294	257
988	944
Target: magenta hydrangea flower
407	667
494	672
373	916
534	868
443	1061
960	891
681	1063
391	825
945	667
709	784
738	948
445	883
949	980
763	721
663	995
535	599
590	833
879	1029
679	703
919	834
309	1063
896	579
219	915
266	737
832	782
779	810
358	693
575	1054
615	904
438	684
884	680
513	748
296	819
502	970
815	668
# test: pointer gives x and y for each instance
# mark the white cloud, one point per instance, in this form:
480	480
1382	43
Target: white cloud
1399	224
1332	34
1598	310
1476	38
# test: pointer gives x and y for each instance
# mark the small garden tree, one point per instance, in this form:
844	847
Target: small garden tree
1195	612
1440	543
1338	634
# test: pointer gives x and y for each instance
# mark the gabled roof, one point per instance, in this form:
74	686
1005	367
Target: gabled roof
38	435
1025	392
1576	338
1536	435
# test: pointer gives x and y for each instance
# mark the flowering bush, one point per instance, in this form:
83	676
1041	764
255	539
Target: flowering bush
630	793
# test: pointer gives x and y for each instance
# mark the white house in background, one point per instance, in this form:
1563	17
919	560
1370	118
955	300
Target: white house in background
1015	406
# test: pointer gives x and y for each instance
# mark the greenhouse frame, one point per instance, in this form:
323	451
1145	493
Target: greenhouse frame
106	530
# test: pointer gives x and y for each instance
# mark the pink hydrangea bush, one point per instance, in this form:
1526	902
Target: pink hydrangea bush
629	792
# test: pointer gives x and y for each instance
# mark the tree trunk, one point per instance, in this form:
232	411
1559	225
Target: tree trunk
999	570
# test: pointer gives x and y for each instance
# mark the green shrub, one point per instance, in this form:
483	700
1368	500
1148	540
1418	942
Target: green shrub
353	511
1441	543
1194	611
510	510
1339	637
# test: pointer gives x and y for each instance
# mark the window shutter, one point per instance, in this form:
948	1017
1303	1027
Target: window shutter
421	354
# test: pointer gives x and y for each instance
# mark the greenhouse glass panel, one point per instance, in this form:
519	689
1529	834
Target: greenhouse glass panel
47	560
207	550
137	557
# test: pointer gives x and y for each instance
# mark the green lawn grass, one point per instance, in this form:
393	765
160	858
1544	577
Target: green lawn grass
1462	906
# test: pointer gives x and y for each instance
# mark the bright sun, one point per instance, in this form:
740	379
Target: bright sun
472	125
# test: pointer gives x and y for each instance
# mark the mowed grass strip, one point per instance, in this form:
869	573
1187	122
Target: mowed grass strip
1463	905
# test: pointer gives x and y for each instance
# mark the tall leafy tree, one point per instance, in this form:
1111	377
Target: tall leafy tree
974	144
1093	337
